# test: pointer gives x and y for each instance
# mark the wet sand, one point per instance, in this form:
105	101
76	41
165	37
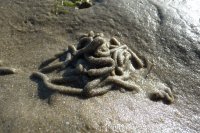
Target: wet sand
30	33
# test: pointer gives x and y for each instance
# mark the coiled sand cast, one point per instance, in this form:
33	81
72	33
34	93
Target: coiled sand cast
96	66
6	70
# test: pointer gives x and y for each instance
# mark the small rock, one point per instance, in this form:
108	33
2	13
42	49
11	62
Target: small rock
84	5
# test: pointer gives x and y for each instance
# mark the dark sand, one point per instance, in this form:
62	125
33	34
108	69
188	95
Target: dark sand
166	33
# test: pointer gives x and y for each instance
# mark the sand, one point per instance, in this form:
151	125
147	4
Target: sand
164	32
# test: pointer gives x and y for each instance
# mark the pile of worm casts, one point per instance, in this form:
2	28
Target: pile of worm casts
94	67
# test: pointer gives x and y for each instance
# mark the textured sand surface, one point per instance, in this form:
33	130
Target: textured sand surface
165	32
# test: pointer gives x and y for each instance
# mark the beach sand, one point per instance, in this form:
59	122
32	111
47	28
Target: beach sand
30	33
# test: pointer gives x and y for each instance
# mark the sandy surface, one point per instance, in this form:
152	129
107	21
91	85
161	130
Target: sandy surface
163	32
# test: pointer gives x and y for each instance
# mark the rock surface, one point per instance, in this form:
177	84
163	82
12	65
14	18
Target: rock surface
166	32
